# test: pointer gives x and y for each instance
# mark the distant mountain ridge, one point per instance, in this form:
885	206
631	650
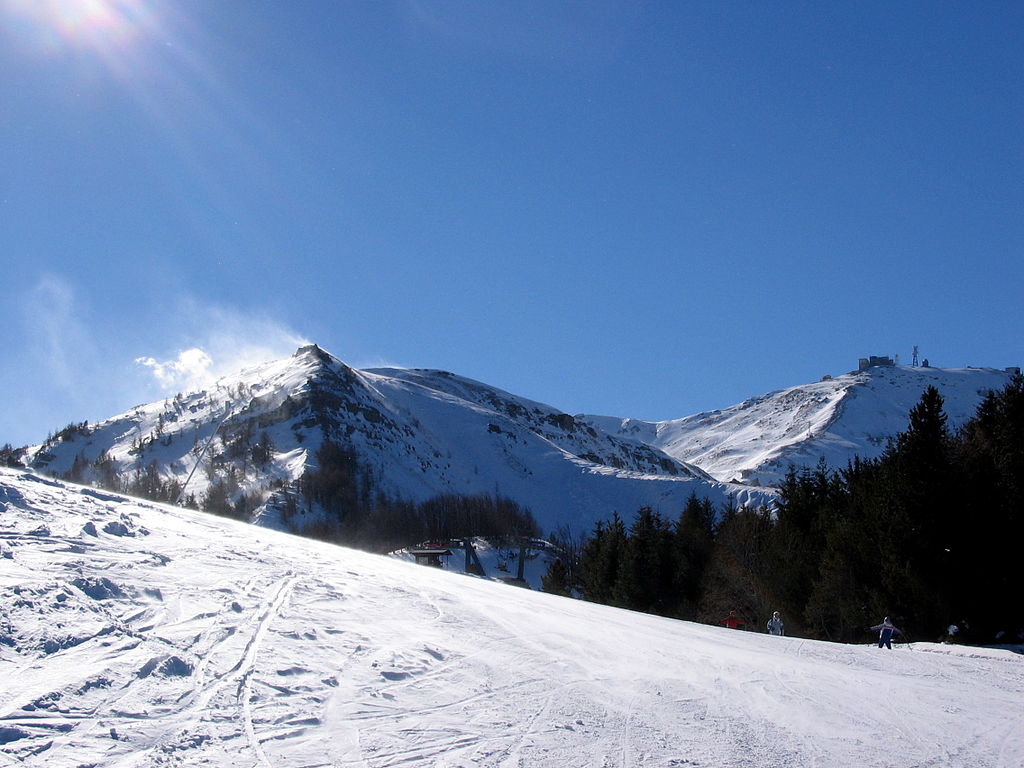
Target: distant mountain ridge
835	419
423	433
420	433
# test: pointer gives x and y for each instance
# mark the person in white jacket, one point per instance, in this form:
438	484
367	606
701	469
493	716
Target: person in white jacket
775	625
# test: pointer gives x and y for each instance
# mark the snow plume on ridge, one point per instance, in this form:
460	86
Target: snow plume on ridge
229	341
191	368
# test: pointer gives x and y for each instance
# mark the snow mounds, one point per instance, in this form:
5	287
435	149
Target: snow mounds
166	666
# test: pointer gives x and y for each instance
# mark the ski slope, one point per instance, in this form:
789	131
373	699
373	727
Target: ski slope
139	635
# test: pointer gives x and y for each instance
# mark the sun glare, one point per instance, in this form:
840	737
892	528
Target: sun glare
104	27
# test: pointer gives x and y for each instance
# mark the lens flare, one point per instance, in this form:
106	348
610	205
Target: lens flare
104	27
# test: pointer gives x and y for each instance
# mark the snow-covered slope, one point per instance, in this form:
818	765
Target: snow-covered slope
756	441
139	635
420	433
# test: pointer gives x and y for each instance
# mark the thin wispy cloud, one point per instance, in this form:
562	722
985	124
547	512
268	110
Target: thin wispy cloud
378	362
85	369
56	324
56	370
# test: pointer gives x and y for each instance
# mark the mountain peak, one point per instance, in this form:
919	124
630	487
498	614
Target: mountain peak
313	351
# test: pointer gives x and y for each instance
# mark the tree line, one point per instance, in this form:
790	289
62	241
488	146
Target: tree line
339	500
336	499
929	534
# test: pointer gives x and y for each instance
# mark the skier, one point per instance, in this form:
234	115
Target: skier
951	633
775	625
885	632
732	621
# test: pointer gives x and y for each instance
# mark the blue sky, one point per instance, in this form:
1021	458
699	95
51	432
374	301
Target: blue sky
644	209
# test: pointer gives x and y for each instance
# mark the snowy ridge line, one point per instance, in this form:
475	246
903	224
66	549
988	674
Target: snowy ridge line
415	434
855	414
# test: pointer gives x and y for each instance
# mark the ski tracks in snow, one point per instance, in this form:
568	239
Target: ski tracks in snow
218	693
198	643
141	683
284	587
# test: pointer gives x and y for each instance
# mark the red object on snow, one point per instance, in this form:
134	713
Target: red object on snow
732	621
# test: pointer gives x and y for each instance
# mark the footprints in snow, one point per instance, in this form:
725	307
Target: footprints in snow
50	617
407	665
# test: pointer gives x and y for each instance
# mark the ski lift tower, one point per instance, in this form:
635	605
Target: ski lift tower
915	356
473	564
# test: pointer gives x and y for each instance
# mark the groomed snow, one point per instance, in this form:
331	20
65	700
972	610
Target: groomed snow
139	635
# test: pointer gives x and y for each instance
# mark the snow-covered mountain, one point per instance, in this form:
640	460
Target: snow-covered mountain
135	634
420	433
838	418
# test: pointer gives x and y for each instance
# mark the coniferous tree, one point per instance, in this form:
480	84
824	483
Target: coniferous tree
990	525
10	456
602	557
645	579
735	575
927	534
147	483
105	471
695	539
263	451
220	495
334	483
77	472
556	579
844	596
925	496
808	506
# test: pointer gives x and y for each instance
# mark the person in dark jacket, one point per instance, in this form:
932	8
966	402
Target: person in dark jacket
885	632
775	625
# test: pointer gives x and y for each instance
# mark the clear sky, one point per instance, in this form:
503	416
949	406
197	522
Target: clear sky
644	209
